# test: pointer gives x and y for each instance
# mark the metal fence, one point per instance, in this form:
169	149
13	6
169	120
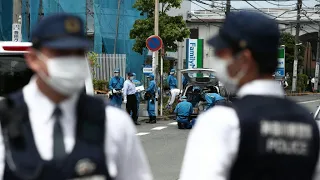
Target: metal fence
107	63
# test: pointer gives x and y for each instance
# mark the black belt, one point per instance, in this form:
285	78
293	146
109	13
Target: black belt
131	94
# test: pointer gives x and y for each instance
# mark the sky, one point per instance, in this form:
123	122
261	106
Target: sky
258	4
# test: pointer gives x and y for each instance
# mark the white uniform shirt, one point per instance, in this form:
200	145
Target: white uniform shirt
214	141
126	159
174	93
129	88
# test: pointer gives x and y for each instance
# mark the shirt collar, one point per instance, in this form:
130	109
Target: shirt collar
37	102
262	88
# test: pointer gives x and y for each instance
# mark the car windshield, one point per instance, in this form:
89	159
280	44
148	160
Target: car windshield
14	73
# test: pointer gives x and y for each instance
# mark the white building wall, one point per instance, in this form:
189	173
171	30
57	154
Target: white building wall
183	11
206	31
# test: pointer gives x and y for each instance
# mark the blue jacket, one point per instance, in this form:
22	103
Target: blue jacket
184	81
211	98
137	83
183	110
152	87
172	81
116	83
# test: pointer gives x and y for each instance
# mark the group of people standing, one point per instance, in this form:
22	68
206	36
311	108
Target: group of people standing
125	91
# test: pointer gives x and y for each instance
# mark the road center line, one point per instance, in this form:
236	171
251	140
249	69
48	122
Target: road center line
306	102
142	133
159	128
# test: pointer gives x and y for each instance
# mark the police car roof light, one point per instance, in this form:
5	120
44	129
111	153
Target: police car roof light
15	48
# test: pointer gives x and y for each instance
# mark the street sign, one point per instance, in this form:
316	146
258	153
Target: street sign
154	43
280	71
147	70
16	32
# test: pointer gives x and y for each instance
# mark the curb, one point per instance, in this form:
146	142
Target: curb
302	94
159	118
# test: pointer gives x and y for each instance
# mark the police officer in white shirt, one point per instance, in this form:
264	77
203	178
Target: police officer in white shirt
261	135
52	130
129	97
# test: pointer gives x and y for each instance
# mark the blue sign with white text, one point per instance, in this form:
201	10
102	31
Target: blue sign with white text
280	72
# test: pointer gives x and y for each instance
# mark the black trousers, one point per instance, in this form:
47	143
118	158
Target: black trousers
131	106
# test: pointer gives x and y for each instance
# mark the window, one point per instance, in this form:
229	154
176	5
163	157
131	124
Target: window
14	73
194	33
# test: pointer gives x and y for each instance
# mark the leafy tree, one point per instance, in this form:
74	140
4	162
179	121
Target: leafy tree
287	39
172	29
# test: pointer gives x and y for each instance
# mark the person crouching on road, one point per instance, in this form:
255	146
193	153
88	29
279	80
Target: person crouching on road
151	93
129	98
183	111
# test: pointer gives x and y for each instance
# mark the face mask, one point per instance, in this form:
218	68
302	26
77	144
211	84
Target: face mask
67	74
116	74
131	78
172	73
231	83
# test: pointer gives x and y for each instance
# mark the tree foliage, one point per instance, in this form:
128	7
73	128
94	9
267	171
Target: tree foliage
288	40
172	29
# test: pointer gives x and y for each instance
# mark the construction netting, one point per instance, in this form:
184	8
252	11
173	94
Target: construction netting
105	27
100	18
6	20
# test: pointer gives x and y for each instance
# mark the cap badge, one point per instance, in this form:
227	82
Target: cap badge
84	167
242	44
72	25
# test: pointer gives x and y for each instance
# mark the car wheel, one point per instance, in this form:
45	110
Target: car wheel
223	92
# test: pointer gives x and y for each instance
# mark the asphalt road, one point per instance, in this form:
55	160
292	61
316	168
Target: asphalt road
164	144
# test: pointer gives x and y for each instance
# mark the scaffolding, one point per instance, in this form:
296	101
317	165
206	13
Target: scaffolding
106	22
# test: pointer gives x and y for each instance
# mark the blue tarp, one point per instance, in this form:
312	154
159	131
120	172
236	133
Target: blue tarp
6	20
105	31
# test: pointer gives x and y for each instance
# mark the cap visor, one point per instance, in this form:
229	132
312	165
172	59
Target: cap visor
68	43
218	43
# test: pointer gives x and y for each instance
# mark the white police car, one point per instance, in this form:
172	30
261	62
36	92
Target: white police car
14	72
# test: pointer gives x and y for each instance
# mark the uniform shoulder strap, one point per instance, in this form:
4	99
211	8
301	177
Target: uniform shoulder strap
91	112
12	111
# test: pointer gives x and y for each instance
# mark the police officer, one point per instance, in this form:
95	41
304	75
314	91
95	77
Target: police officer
263	135
129	97
183	111
184	82
138	95
52	130
116	85
213	99
172	80
152	101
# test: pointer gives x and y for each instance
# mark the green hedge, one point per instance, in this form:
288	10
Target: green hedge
100	84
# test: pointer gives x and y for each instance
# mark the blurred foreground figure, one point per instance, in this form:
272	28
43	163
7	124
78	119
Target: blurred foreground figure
51	130
262	135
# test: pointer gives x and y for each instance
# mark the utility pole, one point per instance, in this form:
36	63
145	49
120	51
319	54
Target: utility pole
228	6
16	19
317	63
296	53
179	66
117	29
155	56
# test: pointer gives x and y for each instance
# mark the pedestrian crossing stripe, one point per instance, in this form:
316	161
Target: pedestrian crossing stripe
142	133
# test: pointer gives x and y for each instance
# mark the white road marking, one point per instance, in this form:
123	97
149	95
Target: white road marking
159	128
306	102
173	123
142	133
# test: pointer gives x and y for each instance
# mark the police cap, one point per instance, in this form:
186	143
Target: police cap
60	31
130	74
247	29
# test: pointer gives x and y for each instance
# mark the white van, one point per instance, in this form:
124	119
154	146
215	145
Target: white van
14	72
